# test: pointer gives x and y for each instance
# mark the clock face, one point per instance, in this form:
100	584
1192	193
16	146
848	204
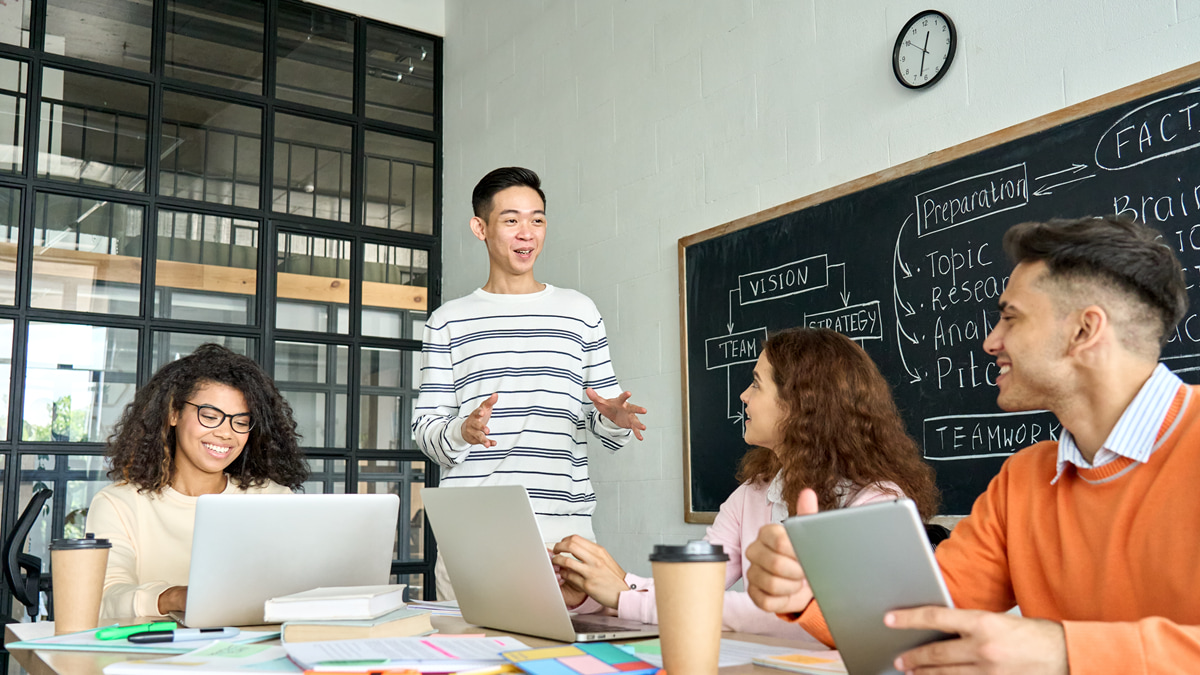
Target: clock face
924	50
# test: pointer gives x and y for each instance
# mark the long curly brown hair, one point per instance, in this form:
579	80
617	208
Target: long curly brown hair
840	424
141	449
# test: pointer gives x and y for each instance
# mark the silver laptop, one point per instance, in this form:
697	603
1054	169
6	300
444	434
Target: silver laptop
862	562
500	570
247	549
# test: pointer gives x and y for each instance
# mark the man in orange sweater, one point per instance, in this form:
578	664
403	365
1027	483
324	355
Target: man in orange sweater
1093	537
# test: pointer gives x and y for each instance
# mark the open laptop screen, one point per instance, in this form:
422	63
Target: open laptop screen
247	549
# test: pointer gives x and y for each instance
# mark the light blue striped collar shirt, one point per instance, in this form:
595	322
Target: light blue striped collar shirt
1135	433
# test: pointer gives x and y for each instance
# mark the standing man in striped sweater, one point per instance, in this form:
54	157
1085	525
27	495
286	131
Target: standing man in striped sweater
517	372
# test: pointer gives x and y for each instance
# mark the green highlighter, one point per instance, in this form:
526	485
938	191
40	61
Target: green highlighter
122	632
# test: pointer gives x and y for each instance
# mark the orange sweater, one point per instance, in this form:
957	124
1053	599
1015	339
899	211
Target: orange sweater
1112	553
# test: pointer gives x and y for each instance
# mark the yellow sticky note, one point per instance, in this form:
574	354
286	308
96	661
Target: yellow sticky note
804	659
544	653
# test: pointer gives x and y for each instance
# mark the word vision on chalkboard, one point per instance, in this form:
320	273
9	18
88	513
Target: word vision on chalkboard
909	264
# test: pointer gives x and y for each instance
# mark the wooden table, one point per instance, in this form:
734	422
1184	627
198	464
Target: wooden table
48	662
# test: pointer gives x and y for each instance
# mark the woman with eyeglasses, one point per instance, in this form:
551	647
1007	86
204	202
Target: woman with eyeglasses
212	422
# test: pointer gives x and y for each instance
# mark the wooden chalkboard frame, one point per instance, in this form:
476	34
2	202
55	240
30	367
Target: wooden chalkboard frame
1091	106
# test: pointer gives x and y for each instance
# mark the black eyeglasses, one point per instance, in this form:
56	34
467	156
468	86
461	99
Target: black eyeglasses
212	417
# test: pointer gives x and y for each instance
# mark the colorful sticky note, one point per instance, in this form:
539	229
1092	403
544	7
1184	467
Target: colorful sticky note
593	658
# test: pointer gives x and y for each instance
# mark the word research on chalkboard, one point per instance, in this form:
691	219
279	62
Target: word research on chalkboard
910	265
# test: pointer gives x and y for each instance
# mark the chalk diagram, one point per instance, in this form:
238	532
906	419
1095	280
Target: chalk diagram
945	290
860	321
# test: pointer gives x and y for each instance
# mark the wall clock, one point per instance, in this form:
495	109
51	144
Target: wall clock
924	49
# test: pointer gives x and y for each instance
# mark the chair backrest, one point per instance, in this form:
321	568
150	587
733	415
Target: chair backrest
23	572
936	533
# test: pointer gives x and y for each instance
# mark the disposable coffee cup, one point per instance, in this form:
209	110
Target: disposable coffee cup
77	571
689	589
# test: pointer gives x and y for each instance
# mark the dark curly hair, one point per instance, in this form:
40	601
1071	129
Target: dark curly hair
1109	251
840	424
141	449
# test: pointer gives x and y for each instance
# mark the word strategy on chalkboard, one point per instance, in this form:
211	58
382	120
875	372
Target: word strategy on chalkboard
861	321
910	264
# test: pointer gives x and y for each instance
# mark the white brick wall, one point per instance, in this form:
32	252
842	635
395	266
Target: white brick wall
653	119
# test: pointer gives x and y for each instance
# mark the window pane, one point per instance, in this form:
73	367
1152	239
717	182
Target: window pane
216	43
385	402
398	169
400	77
13	78
6	349
93	130
311	282
113	32
87	255
326	476
14	23
10	226
78	380
172	346
377	476
312	168
75	479
395	281
206	268
315	64
210	150
313	379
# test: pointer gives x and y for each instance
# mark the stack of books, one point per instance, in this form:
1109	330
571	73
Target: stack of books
347	612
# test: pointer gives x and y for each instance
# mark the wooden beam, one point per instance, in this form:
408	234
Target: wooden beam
87	266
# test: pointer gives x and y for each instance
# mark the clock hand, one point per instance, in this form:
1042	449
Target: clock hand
923	53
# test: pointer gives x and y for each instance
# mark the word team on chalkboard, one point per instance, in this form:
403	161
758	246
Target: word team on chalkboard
909	264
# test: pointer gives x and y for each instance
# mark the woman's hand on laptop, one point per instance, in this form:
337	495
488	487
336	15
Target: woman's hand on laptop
775	580
572	596
174	599
588	566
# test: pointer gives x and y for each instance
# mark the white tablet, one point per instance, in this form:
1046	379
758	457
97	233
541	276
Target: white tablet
862	562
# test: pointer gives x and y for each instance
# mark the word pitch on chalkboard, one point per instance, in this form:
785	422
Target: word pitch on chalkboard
909	264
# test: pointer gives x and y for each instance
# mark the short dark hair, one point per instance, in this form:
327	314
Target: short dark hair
502	179
1115	252
141	449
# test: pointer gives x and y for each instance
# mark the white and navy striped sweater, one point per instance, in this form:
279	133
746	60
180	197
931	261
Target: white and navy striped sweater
538	351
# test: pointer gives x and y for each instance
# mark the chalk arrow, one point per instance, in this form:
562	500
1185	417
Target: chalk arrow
908	310
898	260
916	376
735	416
729	326
845	293
1049	189
1075	168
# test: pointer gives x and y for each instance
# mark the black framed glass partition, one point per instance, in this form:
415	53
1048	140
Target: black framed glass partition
263	174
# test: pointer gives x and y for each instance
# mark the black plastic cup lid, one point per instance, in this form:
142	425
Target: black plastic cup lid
89	541
694	551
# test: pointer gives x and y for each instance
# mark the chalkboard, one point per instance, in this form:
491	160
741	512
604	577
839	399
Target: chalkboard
908	263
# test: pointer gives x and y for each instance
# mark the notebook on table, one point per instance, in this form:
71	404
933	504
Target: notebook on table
500	570
249	548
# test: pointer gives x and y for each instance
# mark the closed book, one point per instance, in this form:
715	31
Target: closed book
335	602
403	622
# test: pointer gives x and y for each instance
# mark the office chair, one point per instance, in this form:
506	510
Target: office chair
936	533
22	571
